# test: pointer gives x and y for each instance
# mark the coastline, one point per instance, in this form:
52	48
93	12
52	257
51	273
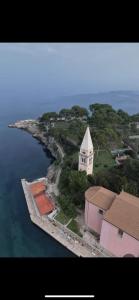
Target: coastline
49	144
78	245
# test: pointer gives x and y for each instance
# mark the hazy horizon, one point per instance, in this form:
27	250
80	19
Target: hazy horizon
48	70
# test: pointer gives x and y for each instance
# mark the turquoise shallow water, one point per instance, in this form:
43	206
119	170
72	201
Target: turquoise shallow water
21	156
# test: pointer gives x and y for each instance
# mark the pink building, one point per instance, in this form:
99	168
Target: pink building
115	218
97	202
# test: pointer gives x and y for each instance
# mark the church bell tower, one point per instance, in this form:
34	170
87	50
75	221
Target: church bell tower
86	155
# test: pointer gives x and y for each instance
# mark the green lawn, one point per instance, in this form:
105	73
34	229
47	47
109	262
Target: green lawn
73	226
62	218
102	160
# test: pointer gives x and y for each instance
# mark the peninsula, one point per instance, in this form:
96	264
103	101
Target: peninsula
56	202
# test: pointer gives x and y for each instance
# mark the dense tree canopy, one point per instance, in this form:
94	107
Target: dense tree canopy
48	116
103	115
118	178
75	111
65	112
78	111
125	118
67	205
135	118
74	184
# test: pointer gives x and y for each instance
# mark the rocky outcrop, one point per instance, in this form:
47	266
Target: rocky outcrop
32	127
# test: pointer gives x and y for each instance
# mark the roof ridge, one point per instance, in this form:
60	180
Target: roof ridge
129	201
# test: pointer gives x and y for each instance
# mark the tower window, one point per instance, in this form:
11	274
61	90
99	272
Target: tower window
120	233
83	160
100	211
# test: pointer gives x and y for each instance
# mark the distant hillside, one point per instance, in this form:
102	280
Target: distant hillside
126	100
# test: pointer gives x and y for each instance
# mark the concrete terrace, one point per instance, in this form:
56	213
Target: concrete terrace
63	235
50	227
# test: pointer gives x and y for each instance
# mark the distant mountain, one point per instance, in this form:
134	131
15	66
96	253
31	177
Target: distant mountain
126	100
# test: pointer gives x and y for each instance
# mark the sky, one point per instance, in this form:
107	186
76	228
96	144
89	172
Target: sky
62	69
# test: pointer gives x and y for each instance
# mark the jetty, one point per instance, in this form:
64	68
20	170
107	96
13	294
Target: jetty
56	230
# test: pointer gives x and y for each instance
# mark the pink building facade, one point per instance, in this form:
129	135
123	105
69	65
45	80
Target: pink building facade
115	218
93	217
111	240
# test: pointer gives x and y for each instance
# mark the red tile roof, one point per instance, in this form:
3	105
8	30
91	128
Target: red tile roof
124	214
122	210
44	204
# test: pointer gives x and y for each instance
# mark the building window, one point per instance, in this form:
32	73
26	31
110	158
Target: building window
100	211
120	233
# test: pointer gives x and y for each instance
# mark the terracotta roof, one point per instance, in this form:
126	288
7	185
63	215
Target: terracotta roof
37	188
100	196
124	214
129	198
44	204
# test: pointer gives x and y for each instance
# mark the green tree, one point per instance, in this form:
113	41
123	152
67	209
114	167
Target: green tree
47	116
79	111
103	115
71	161
65	112
74	183
135	118
125	118
67	205
131	187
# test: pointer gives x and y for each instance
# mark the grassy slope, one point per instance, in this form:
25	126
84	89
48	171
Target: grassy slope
62	218
73	226
103	159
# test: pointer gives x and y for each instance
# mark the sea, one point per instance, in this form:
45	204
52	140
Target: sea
21	156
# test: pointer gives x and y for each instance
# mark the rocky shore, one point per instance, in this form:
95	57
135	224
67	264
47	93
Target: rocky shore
32	127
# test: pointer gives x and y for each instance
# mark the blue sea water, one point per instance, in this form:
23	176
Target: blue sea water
21	156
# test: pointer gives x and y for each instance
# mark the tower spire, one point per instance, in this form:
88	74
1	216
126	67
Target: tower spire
87	141
86	154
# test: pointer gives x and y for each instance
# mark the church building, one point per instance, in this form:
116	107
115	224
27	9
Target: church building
86	155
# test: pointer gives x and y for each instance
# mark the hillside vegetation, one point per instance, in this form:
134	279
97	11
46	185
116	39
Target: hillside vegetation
109	130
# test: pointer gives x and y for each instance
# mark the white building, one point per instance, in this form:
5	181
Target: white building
86	155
